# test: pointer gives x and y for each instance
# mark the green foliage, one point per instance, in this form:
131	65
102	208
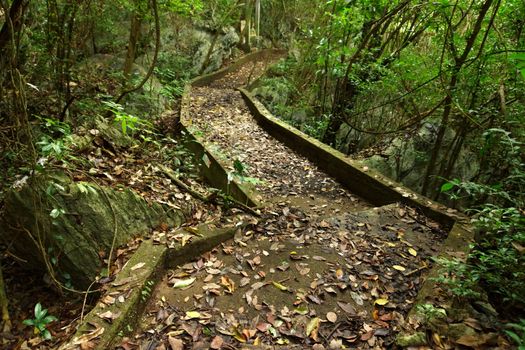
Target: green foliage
430	312
497	261
56	148
41	321
130	124
54	127
516	332
55	139
146	290
459	278
173	71
239	170
184	8
520	62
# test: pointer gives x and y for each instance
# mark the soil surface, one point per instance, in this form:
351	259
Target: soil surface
320	269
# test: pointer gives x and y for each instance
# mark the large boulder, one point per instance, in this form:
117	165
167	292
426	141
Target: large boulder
54	222
217	48
406	157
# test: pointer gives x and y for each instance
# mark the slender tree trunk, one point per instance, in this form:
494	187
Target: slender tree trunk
11	26
429	177
134	36
258	20
4	303
155	54
210	52
247	29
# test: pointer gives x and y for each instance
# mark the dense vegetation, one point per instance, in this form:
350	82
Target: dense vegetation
435	91
448	75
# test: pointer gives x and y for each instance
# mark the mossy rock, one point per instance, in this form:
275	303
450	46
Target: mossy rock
411	340
75	223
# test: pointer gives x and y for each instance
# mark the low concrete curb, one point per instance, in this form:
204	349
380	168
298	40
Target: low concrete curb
372	186
367	183
127	296
212	167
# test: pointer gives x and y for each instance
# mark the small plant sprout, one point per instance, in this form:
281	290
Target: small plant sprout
41	321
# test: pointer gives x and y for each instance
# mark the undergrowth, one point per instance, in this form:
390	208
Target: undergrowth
496	262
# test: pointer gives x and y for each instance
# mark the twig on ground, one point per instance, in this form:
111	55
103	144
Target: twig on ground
207	199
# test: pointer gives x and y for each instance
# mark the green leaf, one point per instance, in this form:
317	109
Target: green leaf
55	213
38	310
49	319
29	322
514	337
447	186
46	334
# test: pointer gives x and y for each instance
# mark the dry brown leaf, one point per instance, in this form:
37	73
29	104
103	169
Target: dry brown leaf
138	266
109	315
331	316
348	308
175	343
89	336
216	343
227	283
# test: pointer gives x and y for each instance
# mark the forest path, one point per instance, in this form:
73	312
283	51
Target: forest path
320	267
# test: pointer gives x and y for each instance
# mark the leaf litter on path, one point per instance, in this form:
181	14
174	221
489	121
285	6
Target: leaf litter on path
320	268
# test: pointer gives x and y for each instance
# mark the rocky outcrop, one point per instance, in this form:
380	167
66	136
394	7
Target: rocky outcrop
71	225
405	159
212	49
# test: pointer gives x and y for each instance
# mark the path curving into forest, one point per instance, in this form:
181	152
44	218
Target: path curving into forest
322	266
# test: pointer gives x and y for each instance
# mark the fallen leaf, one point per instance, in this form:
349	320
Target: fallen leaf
302	310
263	327
192	314
313	327
412	251
381	302
217	342
88	337
177	283
227	283
257	285
138	266
280	286
399	268
109	316
324	224
472	341
339	274
348	308
302	268
367	335
331	316
175	343
518	247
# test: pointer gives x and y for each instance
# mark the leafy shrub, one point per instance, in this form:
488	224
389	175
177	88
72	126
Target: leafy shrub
41	321
516	332
497	260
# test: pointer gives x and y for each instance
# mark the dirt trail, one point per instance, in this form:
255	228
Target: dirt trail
321	269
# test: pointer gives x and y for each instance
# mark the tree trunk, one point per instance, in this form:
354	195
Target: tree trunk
210	52
134	36
429	177
258	20
155	54
4	302
247	29
15	19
